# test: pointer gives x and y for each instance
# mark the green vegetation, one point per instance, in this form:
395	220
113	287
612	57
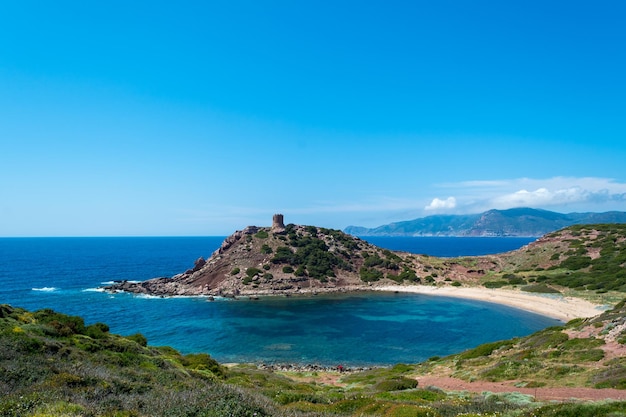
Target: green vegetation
370	274
251	272
595	260
52	364
309	254
540	288
607	409
407	274
262	234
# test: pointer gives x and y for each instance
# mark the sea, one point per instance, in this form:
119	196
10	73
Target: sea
359	329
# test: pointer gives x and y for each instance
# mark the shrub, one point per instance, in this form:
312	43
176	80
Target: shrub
485	349
370	274
576	262
138	338
235	271
266	249
373	261
547	338
202	361
391	256
515	280
287	269
580	410
261	234
97	330
495	284
397	384
251	272
283	255
540	288
62	324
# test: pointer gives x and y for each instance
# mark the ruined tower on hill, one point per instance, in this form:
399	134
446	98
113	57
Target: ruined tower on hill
278	225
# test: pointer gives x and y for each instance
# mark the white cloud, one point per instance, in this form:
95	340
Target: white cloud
557	193
438	204
541	197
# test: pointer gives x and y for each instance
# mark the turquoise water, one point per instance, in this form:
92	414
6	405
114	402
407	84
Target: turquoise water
354	329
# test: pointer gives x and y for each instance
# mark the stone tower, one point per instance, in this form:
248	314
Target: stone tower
277	223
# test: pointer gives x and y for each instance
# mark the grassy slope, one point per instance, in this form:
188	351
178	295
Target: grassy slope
582	353
52	365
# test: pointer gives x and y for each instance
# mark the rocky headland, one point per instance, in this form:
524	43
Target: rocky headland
296	259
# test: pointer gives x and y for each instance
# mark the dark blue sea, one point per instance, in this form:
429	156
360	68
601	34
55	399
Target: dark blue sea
357	330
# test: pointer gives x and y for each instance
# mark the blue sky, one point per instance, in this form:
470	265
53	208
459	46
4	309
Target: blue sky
200	118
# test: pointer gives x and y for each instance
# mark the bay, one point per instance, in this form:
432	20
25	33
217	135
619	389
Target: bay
352	329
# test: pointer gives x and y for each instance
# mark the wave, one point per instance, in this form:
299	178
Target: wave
118	281
45	289
98	289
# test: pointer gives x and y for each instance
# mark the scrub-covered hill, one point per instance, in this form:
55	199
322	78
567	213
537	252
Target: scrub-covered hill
588	259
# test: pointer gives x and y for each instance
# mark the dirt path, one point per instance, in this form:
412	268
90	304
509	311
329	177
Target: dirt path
561	394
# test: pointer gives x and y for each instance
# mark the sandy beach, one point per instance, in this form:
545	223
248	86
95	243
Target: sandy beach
558	307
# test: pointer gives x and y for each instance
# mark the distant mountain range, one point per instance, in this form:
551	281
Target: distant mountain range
512	222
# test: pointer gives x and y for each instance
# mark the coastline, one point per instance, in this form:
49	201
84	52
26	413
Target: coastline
554	306
560	308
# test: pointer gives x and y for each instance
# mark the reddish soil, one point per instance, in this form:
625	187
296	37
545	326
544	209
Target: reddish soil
560	393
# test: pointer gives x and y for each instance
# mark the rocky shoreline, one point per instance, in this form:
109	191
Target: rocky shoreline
310	368
162	287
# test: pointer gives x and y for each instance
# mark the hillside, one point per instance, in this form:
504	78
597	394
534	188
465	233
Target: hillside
588	259
52	364
583	353
512	222
294	259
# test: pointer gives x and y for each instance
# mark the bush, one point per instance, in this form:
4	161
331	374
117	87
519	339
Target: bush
202	361
283	255
97	330
576	262
287	269
540	288
485	349
262	234
604	409
235	271
138	338
495	284
370	274
251	272
266	249
397	384
60	324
